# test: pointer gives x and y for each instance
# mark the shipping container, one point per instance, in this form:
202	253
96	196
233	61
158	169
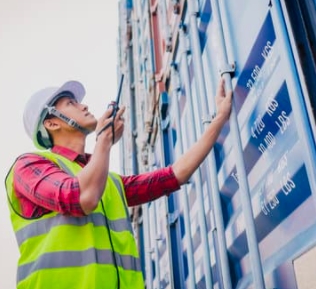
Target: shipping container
247	217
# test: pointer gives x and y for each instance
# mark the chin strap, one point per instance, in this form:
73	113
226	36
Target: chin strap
52	110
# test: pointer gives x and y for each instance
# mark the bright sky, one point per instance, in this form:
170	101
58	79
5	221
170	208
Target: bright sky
46	43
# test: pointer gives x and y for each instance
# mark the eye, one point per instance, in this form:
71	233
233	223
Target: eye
72	101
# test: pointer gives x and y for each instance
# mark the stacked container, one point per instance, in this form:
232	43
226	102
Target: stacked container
247	218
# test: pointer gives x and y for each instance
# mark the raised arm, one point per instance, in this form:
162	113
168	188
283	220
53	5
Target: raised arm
92	178
185	166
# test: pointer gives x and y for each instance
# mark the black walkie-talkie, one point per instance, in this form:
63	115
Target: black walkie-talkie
114	105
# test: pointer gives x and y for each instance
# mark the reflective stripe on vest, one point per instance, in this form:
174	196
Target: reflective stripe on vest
43	226
76	258
73	246
73	259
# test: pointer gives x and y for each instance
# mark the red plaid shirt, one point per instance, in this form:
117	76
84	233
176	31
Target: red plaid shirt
43	187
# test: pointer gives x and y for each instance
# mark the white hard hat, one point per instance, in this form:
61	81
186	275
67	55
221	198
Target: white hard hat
35	110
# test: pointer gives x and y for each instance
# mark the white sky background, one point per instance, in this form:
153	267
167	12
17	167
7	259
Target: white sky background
46	43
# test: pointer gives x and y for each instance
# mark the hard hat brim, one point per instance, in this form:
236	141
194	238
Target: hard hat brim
75	87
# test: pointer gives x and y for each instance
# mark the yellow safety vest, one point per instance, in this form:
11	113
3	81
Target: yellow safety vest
63	252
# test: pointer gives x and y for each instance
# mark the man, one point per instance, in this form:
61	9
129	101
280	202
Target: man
69	213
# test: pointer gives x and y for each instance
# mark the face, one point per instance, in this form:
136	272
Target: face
76	111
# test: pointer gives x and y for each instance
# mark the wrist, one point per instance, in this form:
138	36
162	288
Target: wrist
221	117
103	143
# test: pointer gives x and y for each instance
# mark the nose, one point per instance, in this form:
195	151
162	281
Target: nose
84	106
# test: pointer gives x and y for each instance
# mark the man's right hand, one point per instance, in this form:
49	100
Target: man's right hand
104	125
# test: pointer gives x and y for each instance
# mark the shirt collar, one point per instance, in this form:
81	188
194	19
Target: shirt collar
71	155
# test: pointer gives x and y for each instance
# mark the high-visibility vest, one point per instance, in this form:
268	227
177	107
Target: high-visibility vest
63	252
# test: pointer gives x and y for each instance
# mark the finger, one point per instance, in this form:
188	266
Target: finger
229	95
108	112
221	87
104	127
120	112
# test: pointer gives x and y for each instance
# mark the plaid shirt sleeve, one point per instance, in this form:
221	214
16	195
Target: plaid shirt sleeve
140	189
43	187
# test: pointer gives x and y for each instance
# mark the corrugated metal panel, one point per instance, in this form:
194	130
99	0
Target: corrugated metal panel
249	211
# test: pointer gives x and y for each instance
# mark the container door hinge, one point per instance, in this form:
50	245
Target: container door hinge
228	68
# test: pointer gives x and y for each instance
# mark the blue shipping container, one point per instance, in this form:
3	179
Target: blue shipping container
247	218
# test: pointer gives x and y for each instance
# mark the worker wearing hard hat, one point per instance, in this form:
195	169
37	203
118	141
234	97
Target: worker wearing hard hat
69	213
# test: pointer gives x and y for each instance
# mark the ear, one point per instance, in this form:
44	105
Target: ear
51	124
